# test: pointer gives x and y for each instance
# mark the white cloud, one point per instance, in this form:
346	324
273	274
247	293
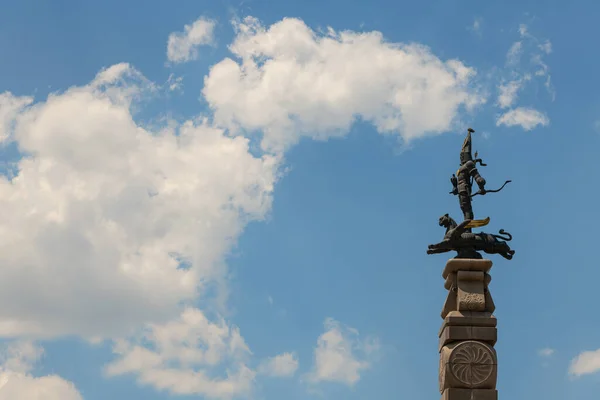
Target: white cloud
194	355
526	118
585	363
536	50
546	352
476	27
20	356
546	47
340	356
542	67
10	106
183	46
508	91
291	82
16	382
523	30
283	365
174	83
181	356
102	212
514	53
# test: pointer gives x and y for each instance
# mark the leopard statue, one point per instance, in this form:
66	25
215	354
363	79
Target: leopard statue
467	244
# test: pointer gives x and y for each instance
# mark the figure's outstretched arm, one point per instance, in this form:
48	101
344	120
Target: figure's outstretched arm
476	176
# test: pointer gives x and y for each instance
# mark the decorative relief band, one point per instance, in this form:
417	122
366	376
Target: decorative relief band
471	302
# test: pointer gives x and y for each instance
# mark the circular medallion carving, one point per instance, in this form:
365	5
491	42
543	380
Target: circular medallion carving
471	363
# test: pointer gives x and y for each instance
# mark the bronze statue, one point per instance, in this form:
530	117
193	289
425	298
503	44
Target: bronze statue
467	244
462	182
458	236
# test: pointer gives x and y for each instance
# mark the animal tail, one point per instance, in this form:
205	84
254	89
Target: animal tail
508	237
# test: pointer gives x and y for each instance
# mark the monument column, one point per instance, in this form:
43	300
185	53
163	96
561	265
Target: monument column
468	361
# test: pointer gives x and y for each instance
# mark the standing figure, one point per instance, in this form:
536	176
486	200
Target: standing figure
462	181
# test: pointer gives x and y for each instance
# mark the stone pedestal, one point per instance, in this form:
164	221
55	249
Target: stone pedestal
468	361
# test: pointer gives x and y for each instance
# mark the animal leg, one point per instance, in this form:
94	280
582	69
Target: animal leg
437	251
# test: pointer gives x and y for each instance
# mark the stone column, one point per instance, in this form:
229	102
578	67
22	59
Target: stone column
468	361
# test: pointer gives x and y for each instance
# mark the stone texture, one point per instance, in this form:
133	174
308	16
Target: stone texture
489	302
452	334
468	365
451	280
464	264
487	279
468	318
469	394
451	303
473	318
470	295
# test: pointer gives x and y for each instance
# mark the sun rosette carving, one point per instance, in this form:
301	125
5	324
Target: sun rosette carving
472	363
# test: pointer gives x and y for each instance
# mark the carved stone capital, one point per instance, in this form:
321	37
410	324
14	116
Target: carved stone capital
467	283
466	264
470	295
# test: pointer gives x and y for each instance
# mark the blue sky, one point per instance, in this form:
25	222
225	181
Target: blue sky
233	199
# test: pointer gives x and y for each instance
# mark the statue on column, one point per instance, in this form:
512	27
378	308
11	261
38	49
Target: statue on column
459	237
